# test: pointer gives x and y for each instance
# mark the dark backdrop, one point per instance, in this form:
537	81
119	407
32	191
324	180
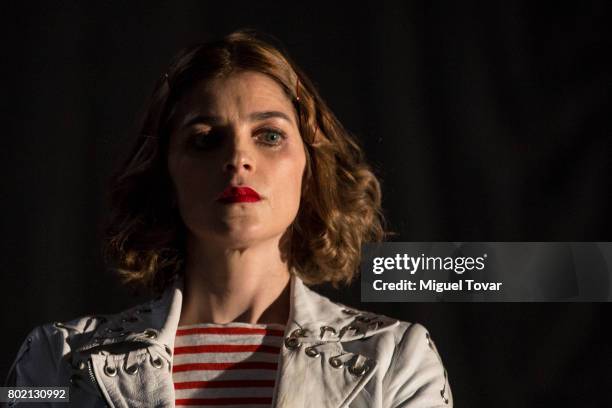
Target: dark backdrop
485	121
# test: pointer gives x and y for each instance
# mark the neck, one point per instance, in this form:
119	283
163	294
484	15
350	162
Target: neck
223	285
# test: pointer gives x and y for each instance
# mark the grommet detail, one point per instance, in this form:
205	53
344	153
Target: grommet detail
82	365
292	343
335	362
312	352
168	350
359	371
132	369
157	362
150	334
347	328
299	333
110	371
327	328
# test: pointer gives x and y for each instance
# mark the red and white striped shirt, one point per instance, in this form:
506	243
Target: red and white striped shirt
229	365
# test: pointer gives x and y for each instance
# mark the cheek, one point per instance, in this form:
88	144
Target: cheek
289	185
193	192
191	180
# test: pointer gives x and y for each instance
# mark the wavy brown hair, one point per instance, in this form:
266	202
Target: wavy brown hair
340	207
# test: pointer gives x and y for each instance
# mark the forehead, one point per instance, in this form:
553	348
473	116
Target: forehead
244	90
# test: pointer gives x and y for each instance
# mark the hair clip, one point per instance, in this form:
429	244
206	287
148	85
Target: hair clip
165	78
297	89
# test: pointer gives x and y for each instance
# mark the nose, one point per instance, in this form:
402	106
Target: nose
240	157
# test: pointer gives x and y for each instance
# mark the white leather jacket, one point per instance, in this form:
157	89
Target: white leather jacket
333	356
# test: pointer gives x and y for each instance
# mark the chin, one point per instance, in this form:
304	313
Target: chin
233	236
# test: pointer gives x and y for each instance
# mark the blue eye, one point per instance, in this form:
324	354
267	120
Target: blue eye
272	137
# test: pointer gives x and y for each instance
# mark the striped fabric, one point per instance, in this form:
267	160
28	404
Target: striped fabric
228	365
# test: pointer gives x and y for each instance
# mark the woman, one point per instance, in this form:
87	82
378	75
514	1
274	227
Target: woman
242	189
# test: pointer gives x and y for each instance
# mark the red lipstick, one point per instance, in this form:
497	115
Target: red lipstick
238	195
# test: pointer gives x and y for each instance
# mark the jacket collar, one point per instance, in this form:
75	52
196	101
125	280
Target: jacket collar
315	323
309	311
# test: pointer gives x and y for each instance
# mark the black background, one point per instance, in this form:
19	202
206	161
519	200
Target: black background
486	121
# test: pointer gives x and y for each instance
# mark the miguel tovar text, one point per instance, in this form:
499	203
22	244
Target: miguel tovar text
435	286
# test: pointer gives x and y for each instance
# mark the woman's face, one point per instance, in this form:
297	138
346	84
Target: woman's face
231	134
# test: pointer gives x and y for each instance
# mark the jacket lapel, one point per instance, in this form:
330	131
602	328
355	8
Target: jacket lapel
315	370
141	337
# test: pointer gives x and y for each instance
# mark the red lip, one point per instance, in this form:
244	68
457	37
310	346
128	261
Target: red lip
238	195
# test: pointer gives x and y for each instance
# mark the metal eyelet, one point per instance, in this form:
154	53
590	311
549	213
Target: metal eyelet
82	365
327	328
110	371
150	334
347	328
359	371
299	333
157	362
292	343
132	370
168	350
312	351
335	362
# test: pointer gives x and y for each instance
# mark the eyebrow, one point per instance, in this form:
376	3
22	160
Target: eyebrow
253	117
